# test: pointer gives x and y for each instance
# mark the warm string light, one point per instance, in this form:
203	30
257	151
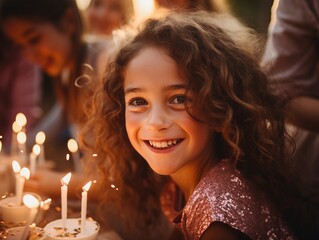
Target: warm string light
143	9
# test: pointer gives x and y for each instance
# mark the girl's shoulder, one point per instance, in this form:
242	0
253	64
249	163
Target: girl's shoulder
224	195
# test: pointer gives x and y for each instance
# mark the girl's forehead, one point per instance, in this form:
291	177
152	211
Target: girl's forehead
153	67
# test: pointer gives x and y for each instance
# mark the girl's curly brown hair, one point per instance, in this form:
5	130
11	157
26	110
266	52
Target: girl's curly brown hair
218	57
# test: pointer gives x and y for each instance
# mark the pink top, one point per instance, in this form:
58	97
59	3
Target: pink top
223	195
20	91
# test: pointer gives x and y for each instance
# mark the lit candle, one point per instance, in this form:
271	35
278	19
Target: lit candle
21	120
40	139
33	203
73	148
14	144
83	4
22	138
20	176
0	144
45	205
16	169
85	189
64	194
33	158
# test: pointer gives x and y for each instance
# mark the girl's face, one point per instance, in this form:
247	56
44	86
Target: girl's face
157	123
104	16
42	43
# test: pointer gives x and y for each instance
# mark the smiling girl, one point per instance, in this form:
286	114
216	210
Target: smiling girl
186	98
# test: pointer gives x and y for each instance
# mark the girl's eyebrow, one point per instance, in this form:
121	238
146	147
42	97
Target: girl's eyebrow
166	88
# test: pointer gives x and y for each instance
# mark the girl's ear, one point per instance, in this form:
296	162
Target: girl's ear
69	22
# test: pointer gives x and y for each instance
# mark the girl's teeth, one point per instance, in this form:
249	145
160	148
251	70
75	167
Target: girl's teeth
163	144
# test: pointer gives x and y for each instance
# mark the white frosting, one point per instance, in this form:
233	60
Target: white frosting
54	230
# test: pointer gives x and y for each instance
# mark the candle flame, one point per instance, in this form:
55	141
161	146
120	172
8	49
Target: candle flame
31	201
87	186
16	166
66	179
21	137
45	205
25	172
67	157
72	145
40	138
36	149
21	119
83	4
0	146
15	127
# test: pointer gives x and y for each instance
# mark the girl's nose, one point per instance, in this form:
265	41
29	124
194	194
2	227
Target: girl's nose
158	118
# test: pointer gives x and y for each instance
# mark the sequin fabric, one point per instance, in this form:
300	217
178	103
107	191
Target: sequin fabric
224	195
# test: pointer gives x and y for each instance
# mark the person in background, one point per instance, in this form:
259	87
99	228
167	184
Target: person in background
50	34
206	5
292	62
186	98
20	90
105	16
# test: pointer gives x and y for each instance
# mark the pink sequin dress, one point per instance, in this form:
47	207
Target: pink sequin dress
223	195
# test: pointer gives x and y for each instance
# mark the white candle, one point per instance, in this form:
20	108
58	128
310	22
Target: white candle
64	195
85	189
16	169
22	138
24	174
14	144
33	158
40	139
73	148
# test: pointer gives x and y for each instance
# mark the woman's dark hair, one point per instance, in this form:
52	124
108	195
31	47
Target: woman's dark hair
52	12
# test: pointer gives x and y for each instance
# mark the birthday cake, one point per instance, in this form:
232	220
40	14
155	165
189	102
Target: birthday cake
11	213
72	230
16	233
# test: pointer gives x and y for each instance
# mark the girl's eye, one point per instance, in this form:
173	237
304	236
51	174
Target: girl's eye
179	99
137	102
34	40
